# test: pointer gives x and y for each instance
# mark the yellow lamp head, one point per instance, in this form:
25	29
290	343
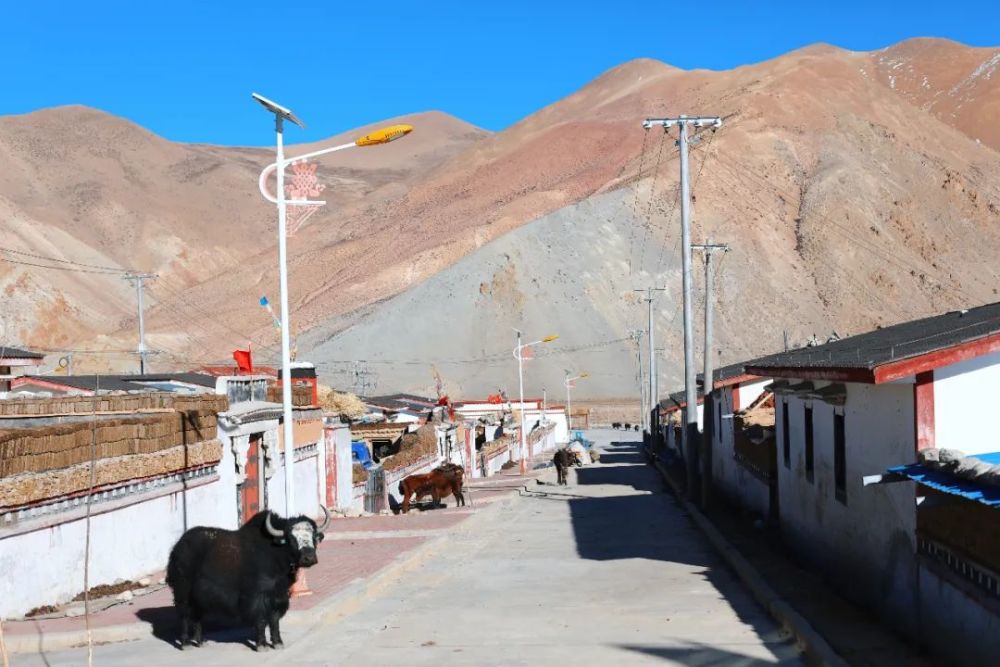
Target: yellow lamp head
549	339
384	136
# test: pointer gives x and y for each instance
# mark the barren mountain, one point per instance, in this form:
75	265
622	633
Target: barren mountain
100	194
852	192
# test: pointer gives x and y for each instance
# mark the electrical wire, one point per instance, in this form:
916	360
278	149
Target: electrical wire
99	267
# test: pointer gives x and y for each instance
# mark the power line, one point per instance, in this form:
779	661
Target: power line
109	269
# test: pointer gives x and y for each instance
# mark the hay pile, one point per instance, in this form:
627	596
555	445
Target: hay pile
759	416
423	438
358	474
413	447
341	403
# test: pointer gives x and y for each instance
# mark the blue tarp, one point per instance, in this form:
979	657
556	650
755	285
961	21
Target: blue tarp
946	482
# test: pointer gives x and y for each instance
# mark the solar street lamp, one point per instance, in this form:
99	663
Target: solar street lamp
569	405
518	354
281	114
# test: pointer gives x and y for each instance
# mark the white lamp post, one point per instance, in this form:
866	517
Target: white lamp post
520	380
569	404
280	164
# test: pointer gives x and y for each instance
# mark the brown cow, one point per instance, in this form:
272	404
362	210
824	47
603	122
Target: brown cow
439	483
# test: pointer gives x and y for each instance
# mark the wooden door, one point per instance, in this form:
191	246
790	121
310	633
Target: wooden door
250	488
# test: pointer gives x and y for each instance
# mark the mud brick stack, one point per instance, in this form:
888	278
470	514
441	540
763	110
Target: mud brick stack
52	461
301	395
497	446
967	528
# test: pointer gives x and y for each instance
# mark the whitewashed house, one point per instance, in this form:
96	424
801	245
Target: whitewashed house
741	468
858	406
672	419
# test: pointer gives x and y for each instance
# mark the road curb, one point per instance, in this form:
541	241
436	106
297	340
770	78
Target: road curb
335	608
814	647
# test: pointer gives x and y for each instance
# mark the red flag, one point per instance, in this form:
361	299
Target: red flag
495	399
243	360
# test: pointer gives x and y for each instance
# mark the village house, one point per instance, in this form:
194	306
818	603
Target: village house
672	419
13	362
740	452
169	451
860	406
89	385
403	407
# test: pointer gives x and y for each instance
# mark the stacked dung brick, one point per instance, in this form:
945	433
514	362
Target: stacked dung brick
968	528
125	443
301	395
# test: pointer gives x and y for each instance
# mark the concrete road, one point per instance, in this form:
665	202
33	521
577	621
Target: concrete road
605	571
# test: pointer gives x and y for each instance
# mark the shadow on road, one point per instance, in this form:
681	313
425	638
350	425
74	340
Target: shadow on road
640	521
704	655
165	628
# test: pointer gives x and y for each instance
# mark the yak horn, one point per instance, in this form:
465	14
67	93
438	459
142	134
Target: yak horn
326	517
271	529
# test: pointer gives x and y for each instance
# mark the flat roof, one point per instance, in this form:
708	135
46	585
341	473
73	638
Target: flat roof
893	352
18	353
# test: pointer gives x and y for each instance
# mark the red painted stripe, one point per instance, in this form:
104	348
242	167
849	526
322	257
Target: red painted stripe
923	410
930	361
736	398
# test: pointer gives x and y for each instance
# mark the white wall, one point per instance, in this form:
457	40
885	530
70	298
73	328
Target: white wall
959	628
126	543
867	544
729	476
307	489
750	392
965	402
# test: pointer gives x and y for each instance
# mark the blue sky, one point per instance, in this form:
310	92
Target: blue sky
185	69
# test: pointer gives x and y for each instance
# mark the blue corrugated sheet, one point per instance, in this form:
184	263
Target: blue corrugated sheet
948	483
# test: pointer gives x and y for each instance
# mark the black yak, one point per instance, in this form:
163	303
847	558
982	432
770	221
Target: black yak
241	574
562	459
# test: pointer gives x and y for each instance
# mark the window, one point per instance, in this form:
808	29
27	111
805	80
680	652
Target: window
839	459
809	443
721	405
786	441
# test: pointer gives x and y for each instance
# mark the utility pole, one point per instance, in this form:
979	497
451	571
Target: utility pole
649	423
709	248
140	349
636	335
690	389
709	373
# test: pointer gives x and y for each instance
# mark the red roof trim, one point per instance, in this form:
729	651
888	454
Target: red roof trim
738	379
932	360
812	373
28	379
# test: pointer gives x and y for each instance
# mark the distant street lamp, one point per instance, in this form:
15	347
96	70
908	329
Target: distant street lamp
281	114
569	404
518	349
